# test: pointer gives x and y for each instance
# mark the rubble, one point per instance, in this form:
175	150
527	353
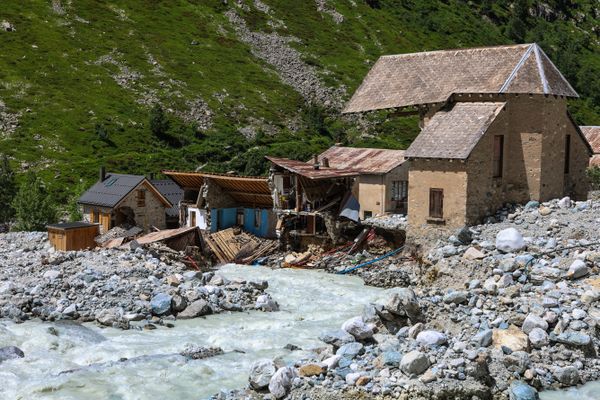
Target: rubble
132	287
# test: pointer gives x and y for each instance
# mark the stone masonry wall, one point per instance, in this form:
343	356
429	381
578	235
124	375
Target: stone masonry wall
153	214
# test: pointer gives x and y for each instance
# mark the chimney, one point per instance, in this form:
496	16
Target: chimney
325	162
316	162
152	176
102	174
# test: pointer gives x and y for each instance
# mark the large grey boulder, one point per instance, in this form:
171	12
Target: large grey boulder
358	328
198	308
483	338
404	303
414	363
538	338
10	353
456	297
432	338
521	391
533	321
337	338
161	304
350	350
568	376
509	240
264	302
261	373
281	382
577	270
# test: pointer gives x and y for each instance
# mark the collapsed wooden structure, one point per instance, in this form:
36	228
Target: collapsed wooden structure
236	246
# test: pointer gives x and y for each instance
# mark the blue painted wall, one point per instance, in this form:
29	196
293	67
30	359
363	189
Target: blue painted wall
266	227
227	220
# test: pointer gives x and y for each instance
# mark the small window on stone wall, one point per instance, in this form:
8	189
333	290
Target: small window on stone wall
436	203
141	198
567	153
498	155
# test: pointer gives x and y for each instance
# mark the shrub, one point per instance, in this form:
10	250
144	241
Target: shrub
33	205
159	123
593	174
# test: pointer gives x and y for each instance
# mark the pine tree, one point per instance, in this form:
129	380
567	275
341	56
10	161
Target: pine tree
159	123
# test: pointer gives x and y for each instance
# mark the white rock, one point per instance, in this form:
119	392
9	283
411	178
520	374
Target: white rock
357	328
432	338
538	338
352	377
261	373
509	240
414	363
565	202
281	382
577	270
533	321
52	274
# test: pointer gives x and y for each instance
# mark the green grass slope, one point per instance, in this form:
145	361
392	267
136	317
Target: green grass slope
82	76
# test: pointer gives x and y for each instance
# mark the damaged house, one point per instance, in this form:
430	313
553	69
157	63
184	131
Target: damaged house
382	184
592	134
120	199
216	202
309	198
494	129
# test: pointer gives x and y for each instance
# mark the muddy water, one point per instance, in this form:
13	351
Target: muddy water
310	302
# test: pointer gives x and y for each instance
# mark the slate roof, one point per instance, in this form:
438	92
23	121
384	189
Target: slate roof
363	160
592	134
172	192
307	170
113	189
433	76
453	133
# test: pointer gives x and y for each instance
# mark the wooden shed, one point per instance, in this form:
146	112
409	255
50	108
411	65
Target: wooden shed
73	235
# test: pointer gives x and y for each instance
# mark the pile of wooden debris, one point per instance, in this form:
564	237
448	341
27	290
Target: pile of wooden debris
236	246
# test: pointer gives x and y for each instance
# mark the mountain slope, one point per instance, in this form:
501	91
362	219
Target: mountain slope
238	79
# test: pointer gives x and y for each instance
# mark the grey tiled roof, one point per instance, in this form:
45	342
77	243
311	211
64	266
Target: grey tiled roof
111	191
432	77
454	132
172	192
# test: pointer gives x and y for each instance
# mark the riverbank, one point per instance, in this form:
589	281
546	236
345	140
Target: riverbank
504	309
120	288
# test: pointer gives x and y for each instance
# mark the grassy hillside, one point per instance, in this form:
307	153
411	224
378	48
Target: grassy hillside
238	79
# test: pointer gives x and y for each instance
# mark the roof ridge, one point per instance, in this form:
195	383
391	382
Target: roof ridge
543	55
516	69
465	50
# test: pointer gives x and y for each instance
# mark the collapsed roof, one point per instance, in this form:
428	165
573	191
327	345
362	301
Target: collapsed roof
363	160
308	170
453	133
432	77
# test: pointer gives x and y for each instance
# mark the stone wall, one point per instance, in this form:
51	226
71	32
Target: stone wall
153	214
451	176
400	173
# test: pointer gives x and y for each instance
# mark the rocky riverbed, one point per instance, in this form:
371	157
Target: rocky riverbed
114	287
496	311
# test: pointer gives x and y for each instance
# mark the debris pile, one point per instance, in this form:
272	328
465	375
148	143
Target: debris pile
236	246
136	287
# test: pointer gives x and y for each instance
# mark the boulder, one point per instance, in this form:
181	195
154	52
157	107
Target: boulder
350	350
534	321
432	338
545	211
473	254
392	358
337	338
568	376
52	274
198	308
456	297
264	302
404	303
577	270
70	311
464	235
575	340
538	338
357	328
565	202
108	317
312	369
512	338
281	382
509	240
178	303
10	352
414	363
261	373
521	391
483	338
161	304
352	377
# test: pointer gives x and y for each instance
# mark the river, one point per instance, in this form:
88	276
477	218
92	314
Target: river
311	301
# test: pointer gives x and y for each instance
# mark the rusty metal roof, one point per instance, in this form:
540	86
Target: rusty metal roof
247	190
432	77
592	134
363	160
454	132
308	170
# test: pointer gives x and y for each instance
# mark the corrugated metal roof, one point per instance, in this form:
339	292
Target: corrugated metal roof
307	170
432	77
363	160
172	192
111	191
454	132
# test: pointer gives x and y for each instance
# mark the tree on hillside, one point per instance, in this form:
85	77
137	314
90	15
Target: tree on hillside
159	123
8	189
517	24
33	205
